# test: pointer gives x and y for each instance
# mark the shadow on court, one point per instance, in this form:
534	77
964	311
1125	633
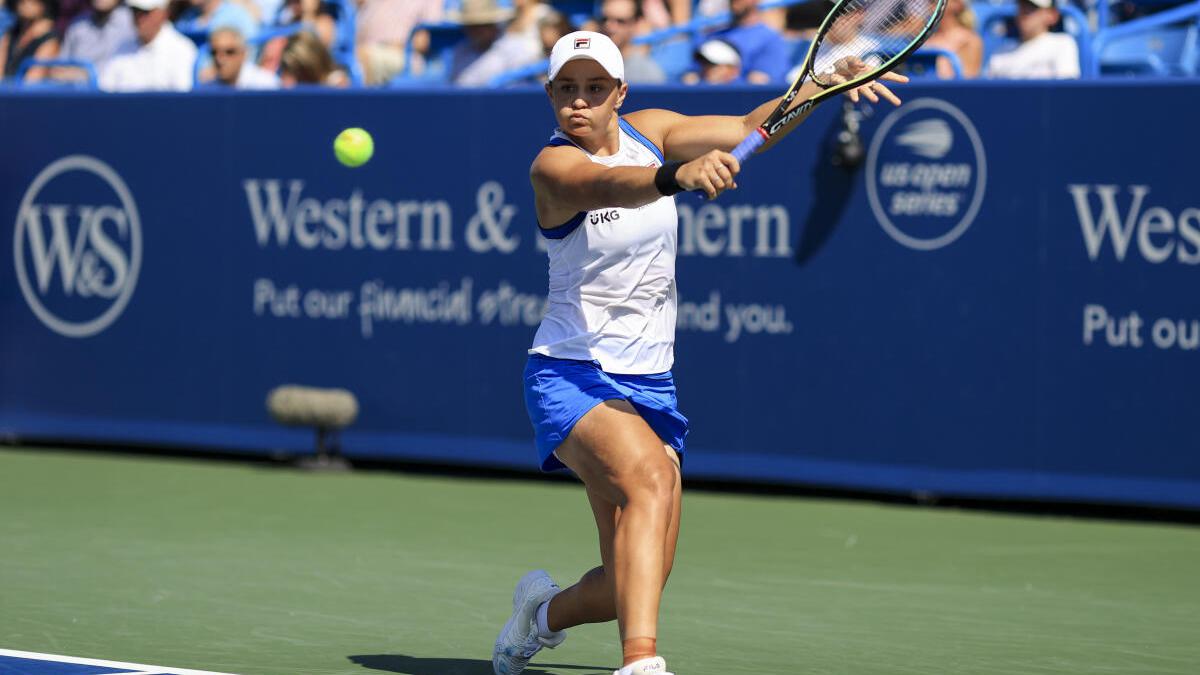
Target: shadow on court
412	665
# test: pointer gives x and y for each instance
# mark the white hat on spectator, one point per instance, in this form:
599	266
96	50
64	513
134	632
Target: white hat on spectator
1043	4
720	53
584	44
483	13
146	5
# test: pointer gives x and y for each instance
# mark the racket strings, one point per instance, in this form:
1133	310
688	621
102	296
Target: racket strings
872	32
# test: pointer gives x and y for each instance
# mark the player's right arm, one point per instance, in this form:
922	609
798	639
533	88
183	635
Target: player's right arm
566	182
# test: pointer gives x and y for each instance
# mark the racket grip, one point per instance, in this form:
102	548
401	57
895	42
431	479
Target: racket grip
748	145
742	152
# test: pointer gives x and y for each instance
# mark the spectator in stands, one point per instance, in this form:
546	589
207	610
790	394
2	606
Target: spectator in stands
161	60
318	15
384	29
489	48
619	21
775	18
956	33
314	14
802	20
659	14
1042	54
527	16
68	11
264	12
766	56
202	16
31	36
96	36
307	61
720	62
551	28
230	66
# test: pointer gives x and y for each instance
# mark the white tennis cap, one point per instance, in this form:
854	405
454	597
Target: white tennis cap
146	5
583	44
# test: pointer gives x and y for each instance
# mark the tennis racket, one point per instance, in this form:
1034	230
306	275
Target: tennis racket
858	42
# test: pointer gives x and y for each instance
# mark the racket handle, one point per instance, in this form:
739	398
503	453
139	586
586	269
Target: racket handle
748	145
742	152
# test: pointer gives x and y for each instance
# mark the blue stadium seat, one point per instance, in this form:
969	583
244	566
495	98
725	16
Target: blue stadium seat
577	11
1160	51
452	7
674	57
346	37
799	49
6	20
1166	43
443	37
88	69
528	74
922	64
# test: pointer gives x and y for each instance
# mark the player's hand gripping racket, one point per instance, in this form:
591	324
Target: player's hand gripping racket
857	43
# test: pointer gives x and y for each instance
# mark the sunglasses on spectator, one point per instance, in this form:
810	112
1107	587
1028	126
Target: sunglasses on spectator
227	51
616	19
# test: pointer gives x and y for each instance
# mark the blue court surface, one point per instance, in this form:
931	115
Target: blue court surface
30	663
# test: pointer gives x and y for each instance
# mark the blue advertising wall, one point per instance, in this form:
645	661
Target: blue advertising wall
1001	301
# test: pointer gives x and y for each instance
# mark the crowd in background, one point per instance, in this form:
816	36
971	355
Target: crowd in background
139	45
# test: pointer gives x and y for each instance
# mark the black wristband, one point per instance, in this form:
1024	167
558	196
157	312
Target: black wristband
664	179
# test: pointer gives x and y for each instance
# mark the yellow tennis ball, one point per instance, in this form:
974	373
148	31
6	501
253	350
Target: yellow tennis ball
353	147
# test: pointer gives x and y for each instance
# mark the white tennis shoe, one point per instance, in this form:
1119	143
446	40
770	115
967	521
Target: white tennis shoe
654	666
519	640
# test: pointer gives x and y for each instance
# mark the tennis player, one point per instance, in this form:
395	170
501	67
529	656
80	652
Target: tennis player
598	382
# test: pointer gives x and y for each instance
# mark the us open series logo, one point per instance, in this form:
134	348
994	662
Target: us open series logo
926	174
77	246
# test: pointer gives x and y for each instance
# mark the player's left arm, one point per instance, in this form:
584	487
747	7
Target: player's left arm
686	137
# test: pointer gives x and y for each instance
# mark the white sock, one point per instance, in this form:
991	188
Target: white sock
543	628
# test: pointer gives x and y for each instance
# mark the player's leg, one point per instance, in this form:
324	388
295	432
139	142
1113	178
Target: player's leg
592	599
621	461
672	540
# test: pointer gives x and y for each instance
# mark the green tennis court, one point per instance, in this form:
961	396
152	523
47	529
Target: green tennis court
254	569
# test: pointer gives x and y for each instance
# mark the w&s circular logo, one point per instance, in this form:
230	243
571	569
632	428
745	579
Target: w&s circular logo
77	246
926	174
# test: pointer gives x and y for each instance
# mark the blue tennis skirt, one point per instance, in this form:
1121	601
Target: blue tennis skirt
559	392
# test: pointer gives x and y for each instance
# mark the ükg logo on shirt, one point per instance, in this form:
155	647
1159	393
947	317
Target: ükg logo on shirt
604	216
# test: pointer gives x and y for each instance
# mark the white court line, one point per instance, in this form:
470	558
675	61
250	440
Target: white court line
134	668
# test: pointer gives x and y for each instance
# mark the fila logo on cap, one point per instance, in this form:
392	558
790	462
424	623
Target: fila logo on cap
586	45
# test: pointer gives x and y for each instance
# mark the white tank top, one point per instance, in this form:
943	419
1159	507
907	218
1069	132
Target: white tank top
612	277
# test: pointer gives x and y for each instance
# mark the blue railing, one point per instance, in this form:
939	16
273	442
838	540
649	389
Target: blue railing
1189	56
86	66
